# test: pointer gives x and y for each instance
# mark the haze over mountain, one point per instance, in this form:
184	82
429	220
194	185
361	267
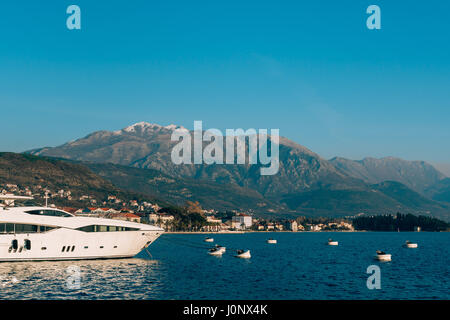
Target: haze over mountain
443	167
305	183
417	175
440	191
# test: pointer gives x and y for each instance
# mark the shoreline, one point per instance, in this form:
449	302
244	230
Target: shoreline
242	232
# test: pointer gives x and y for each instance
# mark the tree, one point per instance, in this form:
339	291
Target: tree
193	207
399	222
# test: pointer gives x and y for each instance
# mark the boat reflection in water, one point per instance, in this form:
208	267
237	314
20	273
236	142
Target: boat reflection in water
88	279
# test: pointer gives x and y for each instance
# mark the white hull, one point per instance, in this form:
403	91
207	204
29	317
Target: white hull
272	241
411	245
383	257
333	243
245	255
66	239
49	245
218	252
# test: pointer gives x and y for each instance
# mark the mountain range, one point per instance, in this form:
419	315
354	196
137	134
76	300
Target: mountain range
417	175
138	158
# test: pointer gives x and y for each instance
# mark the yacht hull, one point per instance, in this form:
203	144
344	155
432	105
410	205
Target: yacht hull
69	244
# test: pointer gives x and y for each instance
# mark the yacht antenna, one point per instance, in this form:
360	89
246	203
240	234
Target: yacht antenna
46	198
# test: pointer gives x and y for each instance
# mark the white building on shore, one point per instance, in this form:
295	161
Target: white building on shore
241	221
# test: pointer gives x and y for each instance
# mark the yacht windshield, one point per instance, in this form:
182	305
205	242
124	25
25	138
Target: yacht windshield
49	212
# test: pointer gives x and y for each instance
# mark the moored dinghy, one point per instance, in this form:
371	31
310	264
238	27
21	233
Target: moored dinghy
409	244
209	240
221	248
215	251
382	256
272	241
332	242
243	254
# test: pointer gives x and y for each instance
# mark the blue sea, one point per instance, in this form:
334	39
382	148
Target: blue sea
299	266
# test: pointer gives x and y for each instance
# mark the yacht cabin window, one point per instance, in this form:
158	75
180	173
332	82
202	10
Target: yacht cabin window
23	228
99	228
51	213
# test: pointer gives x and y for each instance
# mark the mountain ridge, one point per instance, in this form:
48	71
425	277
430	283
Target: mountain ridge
30	171
418	175
300	168
346	183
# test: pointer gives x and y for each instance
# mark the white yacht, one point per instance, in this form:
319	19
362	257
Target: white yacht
32	233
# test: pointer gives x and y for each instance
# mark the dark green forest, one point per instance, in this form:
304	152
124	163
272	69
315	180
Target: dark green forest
399	222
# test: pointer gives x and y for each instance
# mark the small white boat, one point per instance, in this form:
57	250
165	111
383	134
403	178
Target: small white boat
221	248
272	241
382	256
216	251
409	244
243	254
209	239
332	242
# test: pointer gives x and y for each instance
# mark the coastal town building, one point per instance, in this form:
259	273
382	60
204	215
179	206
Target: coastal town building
293	226
68	209
152	217
347	225
147	212
315	227
214	224
165	218
126	216
212	219
241	221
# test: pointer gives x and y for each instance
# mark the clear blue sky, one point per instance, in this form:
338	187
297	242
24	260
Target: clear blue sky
310	68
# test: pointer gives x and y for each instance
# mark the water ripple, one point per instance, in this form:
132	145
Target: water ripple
300	266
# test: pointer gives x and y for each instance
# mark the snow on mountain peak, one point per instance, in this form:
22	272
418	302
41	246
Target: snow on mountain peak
174	127
140	125
143	126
